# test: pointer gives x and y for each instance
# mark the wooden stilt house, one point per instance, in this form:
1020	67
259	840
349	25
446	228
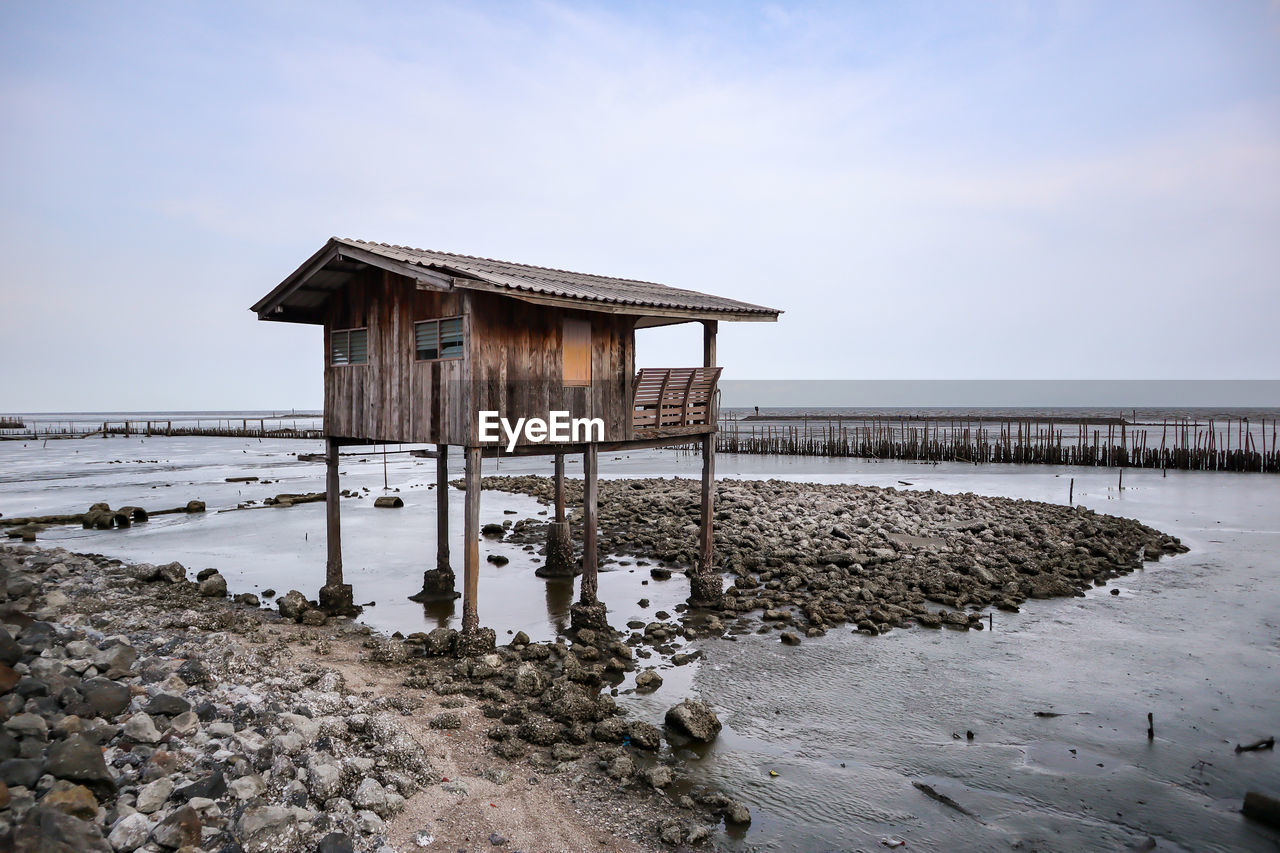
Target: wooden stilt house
418	345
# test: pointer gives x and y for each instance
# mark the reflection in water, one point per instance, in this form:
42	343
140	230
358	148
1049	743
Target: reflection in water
559	598
438	611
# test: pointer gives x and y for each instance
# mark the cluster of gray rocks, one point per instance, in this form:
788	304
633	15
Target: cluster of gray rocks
142	710
815	556
551	710
138	722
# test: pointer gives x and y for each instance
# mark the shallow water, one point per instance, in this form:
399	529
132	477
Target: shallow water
1192	639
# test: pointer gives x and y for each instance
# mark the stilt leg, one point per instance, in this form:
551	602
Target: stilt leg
473	640
471	546
438	583
705	584
589	612
335	596
442	508
560	563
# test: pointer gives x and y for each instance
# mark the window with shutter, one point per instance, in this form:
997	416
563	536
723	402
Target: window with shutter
576	351
349	346
438	338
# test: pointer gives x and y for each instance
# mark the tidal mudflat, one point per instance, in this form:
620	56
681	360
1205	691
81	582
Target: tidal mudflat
847	721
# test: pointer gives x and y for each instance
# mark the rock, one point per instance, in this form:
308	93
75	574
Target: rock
79	759
46	830
76	801
167	704
497	840
611	730
789	638
211	787
181	828
495	531
440	641
644	735
144	572
248	599
193	672
246	787
694	719
141	729
673	833
21	772
185	725
27	725
153	795
264	828
116	660
622	768
736	812
325	781
370	795
173	572
130	832
10	651
312	616
659	776
478	642
292	605
648	681
214	586
529	680
195	506
446	720
539	731
335	842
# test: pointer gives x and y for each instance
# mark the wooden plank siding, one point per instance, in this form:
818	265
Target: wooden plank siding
512	364
518	368
393	397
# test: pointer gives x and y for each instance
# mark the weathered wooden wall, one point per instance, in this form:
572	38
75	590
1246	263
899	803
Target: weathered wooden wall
512	364
394	397
517	366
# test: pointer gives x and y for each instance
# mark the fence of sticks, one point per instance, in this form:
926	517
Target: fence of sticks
1236	445
223	427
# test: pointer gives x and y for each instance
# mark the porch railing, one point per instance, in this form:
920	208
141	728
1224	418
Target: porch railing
672	397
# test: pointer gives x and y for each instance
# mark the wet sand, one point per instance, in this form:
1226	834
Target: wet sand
1191	638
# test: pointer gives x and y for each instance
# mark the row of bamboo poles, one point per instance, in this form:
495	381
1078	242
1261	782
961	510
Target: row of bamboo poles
1178	444
225	427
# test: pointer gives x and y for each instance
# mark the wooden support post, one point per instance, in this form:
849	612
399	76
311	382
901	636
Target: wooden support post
590	464
471	552
559	487
333	515
438	583
559	563
705	585
589	612
335	596
442	508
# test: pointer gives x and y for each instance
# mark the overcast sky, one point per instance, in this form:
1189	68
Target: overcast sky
936	190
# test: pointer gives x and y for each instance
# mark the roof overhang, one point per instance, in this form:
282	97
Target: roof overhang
302	296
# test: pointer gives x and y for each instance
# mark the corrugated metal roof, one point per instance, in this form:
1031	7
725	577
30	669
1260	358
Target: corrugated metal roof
560	283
